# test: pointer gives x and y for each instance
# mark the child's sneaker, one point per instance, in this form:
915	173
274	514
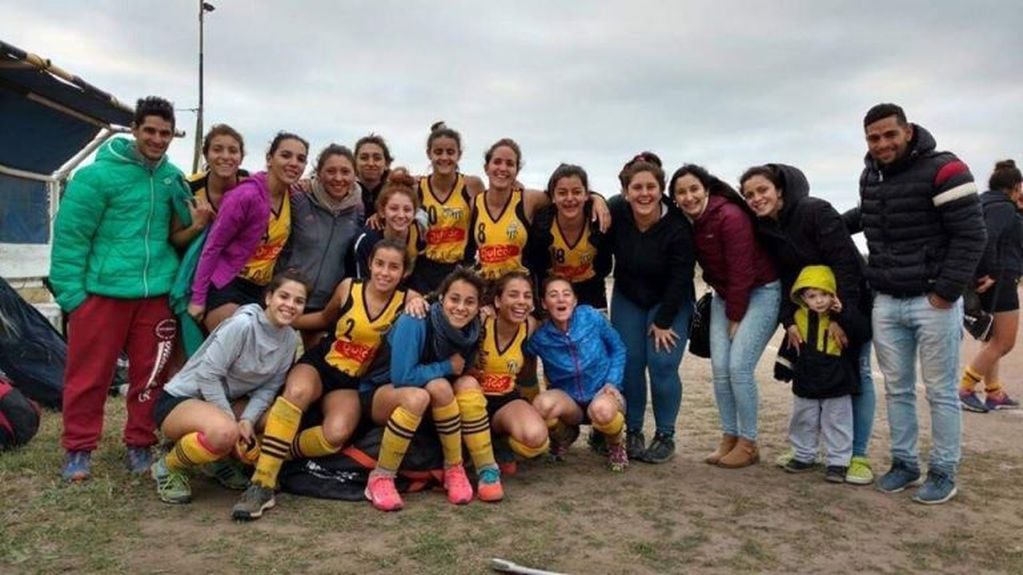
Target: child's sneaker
382	494
77	466
138	460
796	466
1000	400
489	486
970	402
457	484
617	458
859	472
835	473
171	486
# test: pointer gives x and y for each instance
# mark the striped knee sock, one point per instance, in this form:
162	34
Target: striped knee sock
992	386
476	427
312	443
397	435
191	451
281	426
448	420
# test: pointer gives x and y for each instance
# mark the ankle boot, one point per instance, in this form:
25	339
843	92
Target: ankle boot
727	444
744	453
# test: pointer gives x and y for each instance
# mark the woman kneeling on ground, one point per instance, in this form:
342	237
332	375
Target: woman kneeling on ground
361	313
584	362
428	361
501	358
246	357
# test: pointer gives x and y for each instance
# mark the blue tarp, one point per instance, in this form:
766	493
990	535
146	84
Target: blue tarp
38	138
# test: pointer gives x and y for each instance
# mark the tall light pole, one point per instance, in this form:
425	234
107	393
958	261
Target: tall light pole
204	7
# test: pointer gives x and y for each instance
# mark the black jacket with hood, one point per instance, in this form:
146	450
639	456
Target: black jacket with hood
1003	256
809	231
922	220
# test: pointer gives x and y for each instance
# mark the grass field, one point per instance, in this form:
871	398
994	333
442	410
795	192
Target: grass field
572	517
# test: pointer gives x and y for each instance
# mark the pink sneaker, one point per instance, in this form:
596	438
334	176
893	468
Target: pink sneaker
381	493
457	484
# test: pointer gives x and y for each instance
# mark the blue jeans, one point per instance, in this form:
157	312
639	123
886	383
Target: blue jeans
733	361
633	324
864	405
904	328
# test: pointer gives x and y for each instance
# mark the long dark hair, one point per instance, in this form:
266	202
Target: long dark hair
714	185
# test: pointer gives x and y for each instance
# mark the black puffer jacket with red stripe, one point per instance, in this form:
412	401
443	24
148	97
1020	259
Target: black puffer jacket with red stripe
922	219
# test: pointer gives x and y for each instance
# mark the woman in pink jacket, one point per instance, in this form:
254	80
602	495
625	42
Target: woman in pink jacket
252	226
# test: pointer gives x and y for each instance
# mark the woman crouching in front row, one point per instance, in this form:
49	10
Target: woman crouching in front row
428	362
583	361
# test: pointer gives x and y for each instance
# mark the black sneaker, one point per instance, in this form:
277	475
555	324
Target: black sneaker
835	473
661	450
635	445
796	466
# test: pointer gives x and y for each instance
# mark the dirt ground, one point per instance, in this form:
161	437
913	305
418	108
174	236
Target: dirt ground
571	517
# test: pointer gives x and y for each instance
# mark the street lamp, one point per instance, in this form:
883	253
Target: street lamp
204	7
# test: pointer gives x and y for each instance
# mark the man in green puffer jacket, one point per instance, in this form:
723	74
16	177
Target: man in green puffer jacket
111	269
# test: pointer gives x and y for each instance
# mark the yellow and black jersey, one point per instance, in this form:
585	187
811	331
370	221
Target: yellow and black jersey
358	335
573	262
199	183
260	267
448	229
496	368
500	241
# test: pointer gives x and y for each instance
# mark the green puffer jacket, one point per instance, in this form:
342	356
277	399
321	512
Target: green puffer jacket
111	235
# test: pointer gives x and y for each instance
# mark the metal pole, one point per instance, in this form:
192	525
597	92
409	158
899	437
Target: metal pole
198	114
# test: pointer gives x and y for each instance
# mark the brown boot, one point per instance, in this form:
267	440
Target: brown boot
744	453
727	443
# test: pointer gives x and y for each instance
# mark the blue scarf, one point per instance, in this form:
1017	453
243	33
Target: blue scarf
447	340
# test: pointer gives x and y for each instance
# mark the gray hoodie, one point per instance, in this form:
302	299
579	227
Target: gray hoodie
245	356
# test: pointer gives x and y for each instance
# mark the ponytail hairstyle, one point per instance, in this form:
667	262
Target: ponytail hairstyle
441	130
282	136
1005	177
398	182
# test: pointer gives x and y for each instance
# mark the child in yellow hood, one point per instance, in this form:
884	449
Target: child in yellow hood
824	375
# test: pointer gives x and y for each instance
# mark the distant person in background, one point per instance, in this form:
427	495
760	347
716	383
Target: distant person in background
324	225
252	226
920	213
111	269
998	276
372	164
744	311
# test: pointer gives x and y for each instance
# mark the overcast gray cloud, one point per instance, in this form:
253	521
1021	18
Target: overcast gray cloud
725	84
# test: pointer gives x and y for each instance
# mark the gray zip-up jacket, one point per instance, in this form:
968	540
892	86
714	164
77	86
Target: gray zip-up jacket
245	356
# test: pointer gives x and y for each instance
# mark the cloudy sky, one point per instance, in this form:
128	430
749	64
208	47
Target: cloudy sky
725	84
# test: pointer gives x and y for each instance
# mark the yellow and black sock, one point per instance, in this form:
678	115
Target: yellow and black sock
970	380
476	427
281	426
397	435
191	451
526	451
312	443
614	430
448	421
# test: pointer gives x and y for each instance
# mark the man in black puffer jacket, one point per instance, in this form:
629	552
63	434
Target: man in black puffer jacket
920	212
